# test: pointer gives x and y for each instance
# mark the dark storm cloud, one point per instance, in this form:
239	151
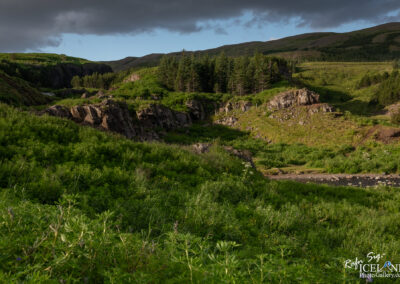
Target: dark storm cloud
37	23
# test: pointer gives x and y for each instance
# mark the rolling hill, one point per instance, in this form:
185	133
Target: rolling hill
378	43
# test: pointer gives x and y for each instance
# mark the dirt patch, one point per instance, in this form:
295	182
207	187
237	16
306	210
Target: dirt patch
383	134
358	180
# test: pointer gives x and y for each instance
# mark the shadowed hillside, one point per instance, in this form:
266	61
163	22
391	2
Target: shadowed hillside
373	44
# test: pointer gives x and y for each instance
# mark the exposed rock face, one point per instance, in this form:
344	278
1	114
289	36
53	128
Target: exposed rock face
196	110
320	108
57	110
161	116
60	76
243	106
228	121
200	148
229	106
115	117
107	115
293	98
132	78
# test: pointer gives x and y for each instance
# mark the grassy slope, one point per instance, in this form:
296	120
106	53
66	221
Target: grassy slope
41	58
321	142
167	215
337	83
16	91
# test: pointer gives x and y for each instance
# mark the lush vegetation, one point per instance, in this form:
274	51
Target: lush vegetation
221	74
389	91
15	91
81	205
297	157
40	58
98	80
47	70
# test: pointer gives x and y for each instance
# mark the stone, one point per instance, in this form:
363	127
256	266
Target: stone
196	110
293	98
200	148
57	110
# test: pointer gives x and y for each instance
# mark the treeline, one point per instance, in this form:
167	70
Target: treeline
372	79
389	90
96	80
222	74
99	81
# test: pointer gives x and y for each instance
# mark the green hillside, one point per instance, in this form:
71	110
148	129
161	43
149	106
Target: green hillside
190	197
16	91
79	204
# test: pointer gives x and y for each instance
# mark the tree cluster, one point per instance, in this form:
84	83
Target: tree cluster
372	79
222	74
389	90
96	80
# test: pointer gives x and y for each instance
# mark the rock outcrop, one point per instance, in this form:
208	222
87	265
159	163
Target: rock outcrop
229	106
60	75
57	110
132	78
293	98
196	110
107	115
115	117
160	116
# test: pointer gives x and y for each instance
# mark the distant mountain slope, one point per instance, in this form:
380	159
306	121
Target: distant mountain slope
373	44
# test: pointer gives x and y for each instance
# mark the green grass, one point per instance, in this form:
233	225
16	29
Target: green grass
41	58
15	91
81	205
371	157
337	82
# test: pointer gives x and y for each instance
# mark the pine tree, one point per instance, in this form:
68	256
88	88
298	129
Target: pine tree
221	73
76	82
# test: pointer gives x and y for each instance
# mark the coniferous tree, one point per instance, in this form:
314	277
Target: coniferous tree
221	73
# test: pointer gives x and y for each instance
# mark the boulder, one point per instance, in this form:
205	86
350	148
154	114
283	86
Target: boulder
200	148
321	108
229	106
57	110
160	116
228	121
293	98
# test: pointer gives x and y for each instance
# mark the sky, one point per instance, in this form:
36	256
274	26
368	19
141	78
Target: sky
110	30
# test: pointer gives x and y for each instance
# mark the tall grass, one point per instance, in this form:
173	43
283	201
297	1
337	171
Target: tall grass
80	205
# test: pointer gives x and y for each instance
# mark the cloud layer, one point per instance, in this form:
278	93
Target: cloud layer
29	24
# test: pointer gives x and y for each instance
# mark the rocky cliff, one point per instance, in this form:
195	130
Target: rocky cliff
56	76
114	116
60	75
